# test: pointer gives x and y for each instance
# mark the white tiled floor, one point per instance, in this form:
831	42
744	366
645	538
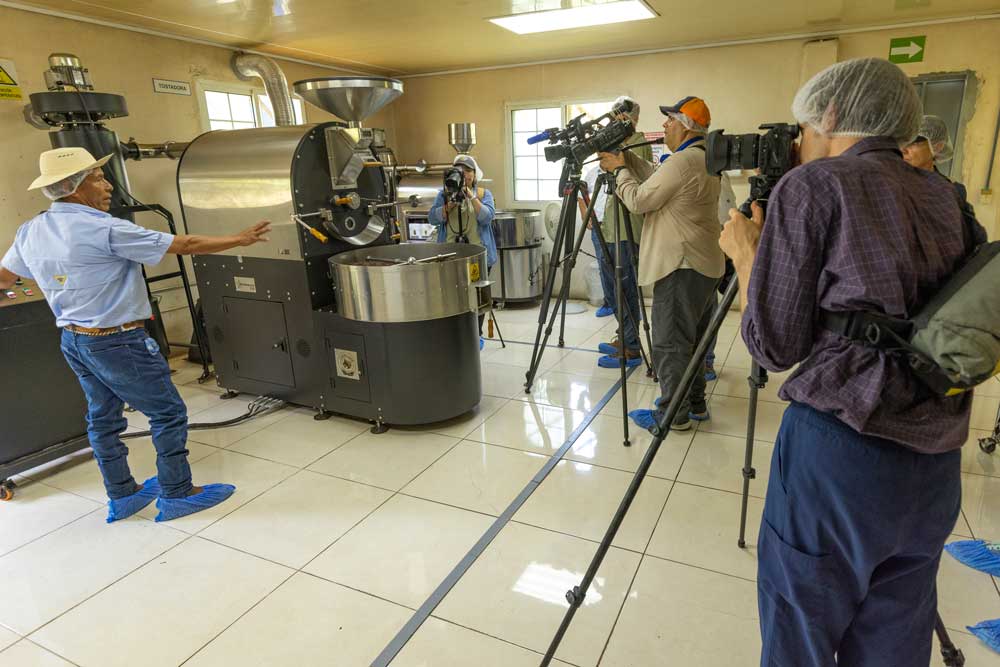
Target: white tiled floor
335	535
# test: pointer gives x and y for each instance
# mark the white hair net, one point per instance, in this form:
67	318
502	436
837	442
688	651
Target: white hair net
470	162
688	122
634	114
866	97
935	132
66	186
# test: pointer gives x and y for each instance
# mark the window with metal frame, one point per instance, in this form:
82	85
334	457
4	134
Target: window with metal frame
534	178
235	107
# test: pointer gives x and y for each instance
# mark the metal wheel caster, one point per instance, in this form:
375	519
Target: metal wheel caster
988	445
7	490
379	428
230	394
322	415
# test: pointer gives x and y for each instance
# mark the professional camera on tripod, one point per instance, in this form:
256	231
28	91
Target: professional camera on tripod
573	145
771	154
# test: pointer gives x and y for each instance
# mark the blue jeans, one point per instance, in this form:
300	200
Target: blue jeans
128	368
629	290
609	298
849	546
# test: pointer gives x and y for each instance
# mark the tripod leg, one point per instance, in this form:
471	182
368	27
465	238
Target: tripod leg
554	265
620	299
953	656
496	324
757	380
576	595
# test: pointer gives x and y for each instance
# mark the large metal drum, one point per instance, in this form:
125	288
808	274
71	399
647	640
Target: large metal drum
519	245
411	282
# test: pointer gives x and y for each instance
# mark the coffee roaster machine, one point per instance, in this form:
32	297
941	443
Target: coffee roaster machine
332	313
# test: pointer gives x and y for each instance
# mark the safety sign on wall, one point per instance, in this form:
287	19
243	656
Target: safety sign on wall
907	49
9	89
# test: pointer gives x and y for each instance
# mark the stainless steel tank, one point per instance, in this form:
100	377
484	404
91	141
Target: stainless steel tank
519	246
411	282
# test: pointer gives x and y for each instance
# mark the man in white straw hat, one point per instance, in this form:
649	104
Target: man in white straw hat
88	265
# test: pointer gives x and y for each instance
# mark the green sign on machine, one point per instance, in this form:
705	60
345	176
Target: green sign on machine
907	49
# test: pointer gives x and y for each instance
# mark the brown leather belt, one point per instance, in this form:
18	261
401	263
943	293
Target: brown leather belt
106	331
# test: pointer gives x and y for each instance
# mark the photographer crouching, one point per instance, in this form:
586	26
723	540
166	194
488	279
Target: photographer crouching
679	254
865	477
463	212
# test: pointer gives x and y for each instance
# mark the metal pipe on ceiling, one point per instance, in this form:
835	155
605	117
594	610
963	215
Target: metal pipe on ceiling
249	66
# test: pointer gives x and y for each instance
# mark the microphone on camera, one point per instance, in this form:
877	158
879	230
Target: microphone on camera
541	136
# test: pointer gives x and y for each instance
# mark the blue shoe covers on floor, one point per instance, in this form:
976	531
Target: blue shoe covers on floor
610	361
988	632
482	343
210	496
710	375
123	508
644	418
977	554
604	311
698	417
607	348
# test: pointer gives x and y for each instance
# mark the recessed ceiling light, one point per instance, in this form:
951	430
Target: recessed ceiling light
576	17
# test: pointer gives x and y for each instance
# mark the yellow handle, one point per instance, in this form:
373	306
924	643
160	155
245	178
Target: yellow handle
319	236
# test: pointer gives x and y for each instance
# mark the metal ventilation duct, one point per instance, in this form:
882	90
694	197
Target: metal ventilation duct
248	66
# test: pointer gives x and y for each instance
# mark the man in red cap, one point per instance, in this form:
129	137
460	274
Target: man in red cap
680	254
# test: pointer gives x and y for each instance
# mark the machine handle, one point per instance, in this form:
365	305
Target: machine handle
280	345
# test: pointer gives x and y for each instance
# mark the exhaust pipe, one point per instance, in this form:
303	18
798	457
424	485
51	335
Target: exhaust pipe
249	66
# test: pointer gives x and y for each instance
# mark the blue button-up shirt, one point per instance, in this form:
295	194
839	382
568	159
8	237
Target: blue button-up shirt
484	223
87	264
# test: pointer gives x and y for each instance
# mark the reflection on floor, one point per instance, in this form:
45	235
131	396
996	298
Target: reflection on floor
335	536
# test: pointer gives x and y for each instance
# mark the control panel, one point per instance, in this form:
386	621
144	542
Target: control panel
24	291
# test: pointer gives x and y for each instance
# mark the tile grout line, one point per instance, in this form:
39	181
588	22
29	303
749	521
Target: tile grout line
426	609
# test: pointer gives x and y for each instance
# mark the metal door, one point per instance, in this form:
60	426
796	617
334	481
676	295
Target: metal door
260	351
943	95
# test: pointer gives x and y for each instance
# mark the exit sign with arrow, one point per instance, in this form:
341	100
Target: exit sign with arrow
907	49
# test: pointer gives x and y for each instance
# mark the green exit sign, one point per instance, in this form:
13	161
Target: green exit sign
907	49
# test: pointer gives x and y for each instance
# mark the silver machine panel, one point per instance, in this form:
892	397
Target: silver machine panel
230	179
410	282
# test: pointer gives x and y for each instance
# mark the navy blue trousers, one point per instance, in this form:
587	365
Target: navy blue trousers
849	546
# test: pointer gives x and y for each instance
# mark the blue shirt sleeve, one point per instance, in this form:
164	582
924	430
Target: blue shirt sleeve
138	244
488	209
13	262
435	215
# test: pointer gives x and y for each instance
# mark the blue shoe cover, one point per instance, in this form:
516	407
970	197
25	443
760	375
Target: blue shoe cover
604	311
710	375
210	496
644	418
977	554
607	348
482	343
696	416
610	361
123	508
988	633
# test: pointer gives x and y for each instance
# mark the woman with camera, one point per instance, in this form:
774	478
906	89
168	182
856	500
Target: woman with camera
464	212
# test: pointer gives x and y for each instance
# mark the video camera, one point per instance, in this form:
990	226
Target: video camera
582	138
772	153
454	185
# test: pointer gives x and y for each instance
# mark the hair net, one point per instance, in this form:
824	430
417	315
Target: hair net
866	97
470	162
66	186
935	132
634	114
688	122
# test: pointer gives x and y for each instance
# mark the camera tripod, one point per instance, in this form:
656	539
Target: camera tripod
952	656
573	188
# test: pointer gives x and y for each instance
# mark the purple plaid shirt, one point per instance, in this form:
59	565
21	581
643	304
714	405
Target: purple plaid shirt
862	231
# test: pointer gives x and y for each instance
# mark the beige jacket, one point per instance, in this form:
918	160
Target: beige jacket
680	203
